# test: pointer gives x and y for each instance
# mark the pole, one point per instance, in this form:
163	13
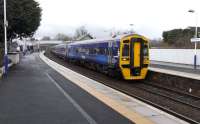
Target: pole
195	46
131	31
5	42
195	56
38	46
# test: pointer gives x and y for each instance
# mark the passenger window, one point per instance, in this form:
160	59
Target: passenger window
97	51
125	50
102	51
106	51
87	51
76	50
92	51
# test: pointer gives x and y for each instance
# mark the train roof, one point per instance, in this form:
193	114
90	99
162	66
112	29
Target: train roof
102	40
59	45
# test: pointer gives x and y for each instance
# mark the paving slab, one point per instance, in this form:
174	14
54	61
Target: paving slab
135	110
33	93
181	70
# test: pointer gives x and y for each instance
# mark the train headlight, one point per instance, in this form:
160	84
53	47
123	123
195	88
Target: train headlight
125	59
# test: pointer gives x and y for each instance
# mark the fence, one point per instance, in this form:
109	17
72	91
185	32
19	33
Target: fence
182	56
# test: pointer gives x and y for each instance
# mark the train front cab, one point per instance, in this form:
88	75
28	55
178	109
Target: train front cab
134	57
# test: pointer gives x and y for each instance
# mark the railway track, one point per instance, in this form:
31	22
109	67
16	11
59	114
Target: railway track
189	100
180	104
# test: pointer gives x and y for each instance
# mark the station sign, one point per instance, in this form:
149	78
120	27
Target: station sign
195	39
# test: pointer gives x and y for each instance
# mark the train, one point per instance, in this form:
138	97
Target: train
125	55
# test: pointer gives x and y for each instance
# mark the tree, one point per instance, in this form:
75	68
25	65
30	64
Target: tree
23	20
81	31
172	35
62	37
23	17
47	38
179	37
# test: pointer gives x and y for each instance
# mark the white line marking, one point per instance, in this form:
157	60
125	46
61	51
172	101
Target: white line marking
75	104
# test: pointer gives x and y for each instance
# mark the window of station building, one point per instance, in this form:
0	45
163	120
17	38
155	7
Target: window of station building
125	50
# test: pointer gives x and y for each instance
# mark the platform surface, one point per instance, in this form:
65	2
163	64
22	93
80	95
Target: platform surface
182	70
33	93
130	107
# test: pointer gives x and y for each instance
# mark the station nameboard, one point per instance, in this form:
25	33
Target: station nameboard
195	39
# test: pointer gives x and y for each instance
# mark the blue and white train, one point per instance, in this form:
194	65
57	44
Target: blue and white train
126	55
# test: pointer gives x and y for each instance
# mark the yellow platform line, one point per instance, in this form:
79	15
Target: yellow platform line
131	115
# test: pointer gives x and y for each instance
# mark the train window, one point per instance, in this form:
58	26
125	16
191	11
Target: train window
87	51
100	51
115	44
62	49
96	51
145	50
125	50
92	51
126	41
106	51
76	50
114	52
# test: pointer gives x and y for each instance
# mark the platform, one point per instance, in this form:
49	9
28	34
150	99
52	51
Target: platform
181	70
33	93
127	106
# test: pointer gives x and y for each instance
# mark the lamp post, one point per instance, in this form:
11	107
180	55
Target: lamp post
38	46
5	40
111	31
131	25
196	36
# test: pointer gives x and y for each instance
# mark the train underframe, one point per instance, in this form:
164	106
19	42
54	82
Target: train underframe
112	71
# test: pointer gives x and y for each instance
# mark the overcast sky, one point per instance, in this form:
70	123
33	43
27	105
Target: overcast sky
150	17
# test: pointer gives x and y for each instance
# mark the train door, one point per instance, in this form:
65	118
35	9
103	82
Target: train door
110	52
134	59
124	60
135	56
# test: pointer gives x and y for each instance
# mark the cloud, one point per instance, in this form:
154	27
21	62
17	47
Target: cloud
150	17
